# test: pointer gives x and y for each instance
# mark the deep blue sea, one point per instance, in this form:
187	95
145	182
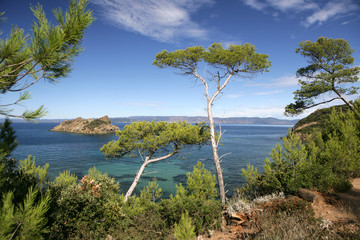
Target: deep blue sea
75	152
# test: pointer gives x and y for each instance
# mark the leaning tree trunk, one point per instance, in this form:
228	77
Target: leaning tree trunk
142	168
136	180
343	99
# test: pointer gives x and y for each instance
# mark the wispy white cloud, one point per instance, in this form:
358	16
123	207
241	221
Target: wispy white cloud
330	10
315	12
281	5
269	92
163	20
256	4
282	82
292	5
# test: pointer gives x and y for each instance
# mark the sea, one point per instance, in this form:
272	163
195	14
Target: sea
240	145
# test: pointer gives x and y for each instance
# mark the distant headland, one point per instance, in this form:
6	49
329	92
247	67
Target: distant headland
196	119
190	119
87	126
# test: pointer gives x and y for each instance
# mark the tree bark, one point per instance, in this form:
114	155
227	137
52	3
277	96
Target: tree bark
215	155
141	170
136	180
214	144
344	100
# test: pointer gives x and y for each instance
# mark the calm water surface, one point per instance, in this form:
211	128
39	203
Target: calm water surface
75	152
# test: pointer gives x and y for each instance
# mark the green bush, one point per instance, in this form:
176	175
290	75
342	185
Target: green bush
184	230
197	198
86	209
141	216
325	161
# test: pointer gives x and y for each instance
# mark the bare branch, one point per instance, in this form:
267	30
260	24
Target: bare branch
314	105
223	156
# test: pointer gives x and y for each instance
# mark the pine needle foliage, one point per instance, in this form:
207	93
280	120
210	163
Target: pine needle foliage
47	53
8	141
184	230
26	221
329	70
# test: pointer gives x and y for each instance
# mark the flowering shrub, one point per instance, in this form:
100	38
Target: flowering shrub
86	209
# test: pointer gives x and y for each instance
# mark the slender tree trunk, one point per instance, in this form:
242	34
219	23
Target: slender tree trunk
136	180
215	154
142	168
344	100
214	144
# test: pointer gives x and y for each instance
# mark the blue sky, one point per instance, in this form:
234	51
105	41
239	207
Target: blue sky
114	76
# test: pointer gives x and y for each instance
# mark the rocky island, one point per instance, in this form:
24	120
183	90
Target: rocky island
87	126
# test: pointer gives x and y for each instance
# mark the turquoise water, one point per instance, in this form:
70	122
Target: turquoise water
75	152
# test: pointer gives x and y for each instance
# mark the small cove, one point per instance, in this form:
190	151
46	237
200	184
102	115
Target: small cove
75	152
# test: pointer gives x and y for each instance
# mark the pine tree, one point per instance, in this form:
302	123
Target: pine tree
47	53
26	221
184	230
8	141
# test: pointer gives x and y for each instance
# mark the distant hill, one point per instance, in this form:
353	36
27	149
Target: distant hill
232	120
195	119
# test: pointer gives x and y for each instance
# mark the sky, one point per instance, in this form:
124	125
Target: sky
114	75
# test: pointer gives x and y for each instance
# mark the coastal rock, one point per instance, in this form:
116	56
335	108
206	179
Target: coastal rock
87	126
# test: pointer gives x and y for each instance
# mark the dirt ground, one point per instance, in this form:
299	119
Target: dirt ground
342	209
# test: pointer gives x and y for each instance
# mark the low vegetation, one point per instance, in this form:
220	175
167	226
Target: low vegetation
96	123
94	207
325	161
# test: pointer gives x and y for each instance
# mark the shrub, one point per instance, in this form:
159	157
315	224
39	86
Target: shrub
86	209
197	198
287	219
326	161
184	230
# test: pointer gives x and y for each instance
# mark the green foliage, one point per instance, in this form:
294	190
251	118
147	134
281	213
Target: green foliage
26	221
28	167
64	180
8	141
95	124
184	230
316	121
87	209
17	179
150	137
237	59
7	165
329	69
48	52
197	198
151	192
326	161
200	184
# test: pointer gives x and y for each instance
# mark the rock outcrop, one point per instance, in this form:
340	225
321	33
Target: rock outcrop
87	126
